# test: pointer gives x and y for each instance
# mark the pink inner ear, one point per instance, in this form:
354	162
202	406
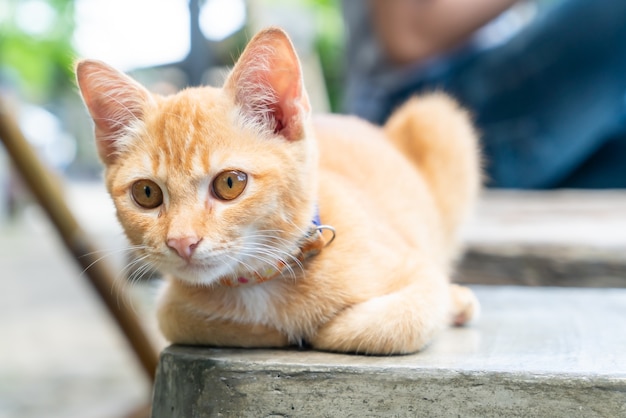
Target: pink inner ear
106	147
114	100
277	115
267	83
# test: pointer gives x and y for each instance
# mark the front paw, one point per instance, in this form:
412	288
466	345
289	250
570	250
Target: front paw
465	305
390	324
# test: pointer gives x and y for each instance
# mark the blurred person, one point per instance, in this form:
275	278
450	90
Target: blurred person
548	93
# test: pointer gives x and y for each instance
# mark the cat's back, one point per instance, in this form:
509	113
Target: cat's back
360	153
352	147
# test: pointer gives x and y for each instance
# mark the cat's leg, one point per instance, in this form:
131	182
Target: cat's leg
397	323
184	324
465	306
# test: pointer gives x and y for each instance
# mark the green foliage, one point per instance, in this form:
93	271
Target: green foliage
329	42
330	46
38	60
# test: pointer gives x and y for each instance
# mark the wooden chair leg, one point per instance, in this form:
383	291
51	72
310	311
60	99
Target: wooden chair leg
41	182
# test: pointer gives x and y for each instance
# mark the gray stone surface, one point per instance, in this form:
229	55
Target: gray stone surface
535	353
556	238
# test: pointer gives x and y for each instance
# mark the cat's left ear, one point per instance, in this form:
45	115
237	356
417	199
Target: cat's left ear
115	102
267	84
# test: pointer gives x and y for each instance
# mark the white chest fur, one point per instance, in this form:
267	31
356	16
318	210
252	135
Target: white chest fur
262	303
268	304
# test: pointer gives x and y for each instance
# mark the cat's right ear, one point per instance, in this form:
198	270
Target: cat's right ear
267	84
115	102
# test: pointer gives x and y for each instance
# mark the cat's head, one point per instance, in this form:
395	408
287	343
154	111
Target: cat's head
209	182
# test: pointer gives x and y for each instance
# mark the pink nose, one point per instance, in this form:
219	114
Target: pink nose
184	246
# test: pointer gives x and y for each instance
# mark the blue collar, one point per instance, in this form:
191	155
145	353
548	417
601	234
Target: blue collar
316	217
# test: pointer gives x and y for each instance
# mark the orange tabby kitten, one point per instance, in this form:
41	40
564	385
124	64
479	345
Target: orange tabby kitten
224	190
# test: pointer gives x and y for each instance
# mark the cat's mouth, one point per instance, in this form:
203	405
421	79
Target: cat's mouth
205	270
203	265
200	272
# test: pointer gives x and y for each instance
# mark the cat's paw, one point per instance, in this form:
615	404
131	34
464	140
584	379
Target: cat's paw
392	324
465	305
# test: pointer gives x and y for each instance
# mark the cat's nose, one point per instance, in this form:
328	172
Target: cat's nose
184	246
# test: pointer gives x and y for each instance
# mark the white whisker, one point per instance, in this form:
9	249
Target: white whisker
109	253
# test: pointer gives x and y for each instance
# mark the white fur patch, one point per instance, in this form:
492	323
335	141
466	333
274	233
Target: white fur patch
257	302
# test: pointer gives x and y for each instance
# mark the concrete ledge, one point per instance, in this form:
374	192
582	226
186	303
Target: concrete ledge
536	352
543	265
556	238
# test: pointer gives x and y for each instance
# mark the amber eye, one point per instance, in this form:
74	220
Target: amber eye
147	194
229	184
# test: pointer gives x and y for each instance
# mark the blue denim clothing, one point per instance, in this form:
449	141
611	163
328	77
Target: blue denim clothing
545	102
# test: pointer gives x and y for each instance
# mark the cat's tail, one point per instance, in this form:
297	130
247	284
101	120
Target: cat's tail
437	135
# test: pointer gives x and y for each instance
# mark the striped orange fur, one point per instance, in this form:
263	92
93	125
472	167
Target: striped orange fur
396	197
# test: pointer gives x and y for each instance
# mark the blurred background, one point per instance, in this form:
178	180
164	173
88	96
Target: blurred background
60	354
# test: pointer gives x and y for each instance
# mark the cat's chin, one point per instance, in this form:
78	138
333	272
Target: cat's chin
200	274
